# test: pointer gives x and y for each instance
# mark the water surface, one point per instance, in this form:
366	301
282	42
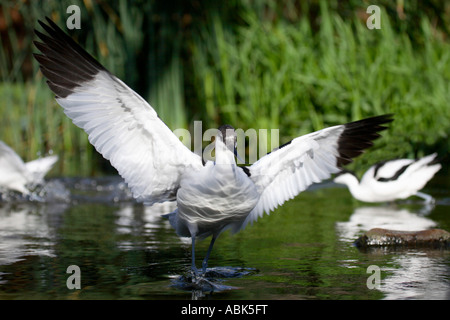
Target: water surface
303	250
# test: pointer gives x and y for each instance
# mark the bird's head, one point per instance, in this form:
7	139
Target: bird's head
227	135
344	177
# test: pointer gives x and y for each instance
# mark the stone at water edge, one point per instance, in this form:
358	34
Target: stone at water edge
385	237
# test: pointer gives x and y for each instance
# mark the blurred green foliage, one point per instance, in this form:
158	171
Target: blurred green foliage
291	65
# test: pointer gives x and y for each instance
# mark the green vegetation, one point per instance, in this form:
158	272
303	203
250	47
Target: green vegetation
293	65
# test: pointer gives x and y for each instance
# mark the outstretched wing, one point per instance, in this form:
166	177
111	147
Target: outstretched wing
284	173
121	125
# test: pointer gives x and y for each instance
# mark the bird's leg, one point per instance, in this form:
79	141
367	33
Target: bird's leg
426	197
205	261
194	268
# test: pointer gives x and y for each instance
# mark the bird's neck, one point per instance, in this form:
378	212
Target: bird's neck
223	154
353	185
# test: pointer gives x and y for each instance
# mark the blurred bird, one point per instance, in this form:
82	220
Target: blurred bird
211	197
19	176
392	180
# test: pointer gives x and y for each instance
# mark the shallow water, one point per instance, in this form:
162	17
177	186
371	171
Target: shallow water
301	251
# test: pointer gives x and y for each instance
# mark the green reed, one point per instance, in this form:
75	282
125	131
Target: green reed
254	68
288	76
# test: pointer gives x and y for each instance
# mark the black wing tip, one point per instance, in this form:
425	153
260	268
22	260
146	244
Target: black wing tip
358	136
50	23
438	159
70	64
376	123
51	28
388	117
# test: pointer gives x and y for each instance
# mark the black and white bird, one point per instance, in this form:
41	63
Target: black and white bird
158	167
392	180
17	175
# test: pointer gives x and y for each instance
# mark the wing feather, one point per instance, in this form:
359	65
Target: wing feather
283	174
121	125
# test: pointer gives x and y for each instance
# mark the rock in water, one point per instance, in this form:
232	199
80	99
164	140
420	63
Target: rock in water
383	237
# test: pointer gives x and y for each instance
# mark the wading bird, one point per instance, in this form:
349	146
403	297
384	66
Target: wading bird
211	197
20	176
391	180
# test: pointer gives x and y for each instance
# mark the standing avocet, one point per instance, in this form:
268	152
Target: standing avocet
391	180
20	176
210	197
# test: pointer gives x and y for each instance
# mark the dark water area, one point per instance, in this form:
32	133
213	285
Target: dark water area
303	250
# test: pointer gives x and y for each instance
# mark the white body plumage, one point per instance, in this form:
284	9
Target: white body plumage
216	197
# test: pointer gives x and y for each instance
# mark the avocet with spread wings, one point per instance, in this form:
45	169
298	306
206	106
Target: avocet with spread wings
211	197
